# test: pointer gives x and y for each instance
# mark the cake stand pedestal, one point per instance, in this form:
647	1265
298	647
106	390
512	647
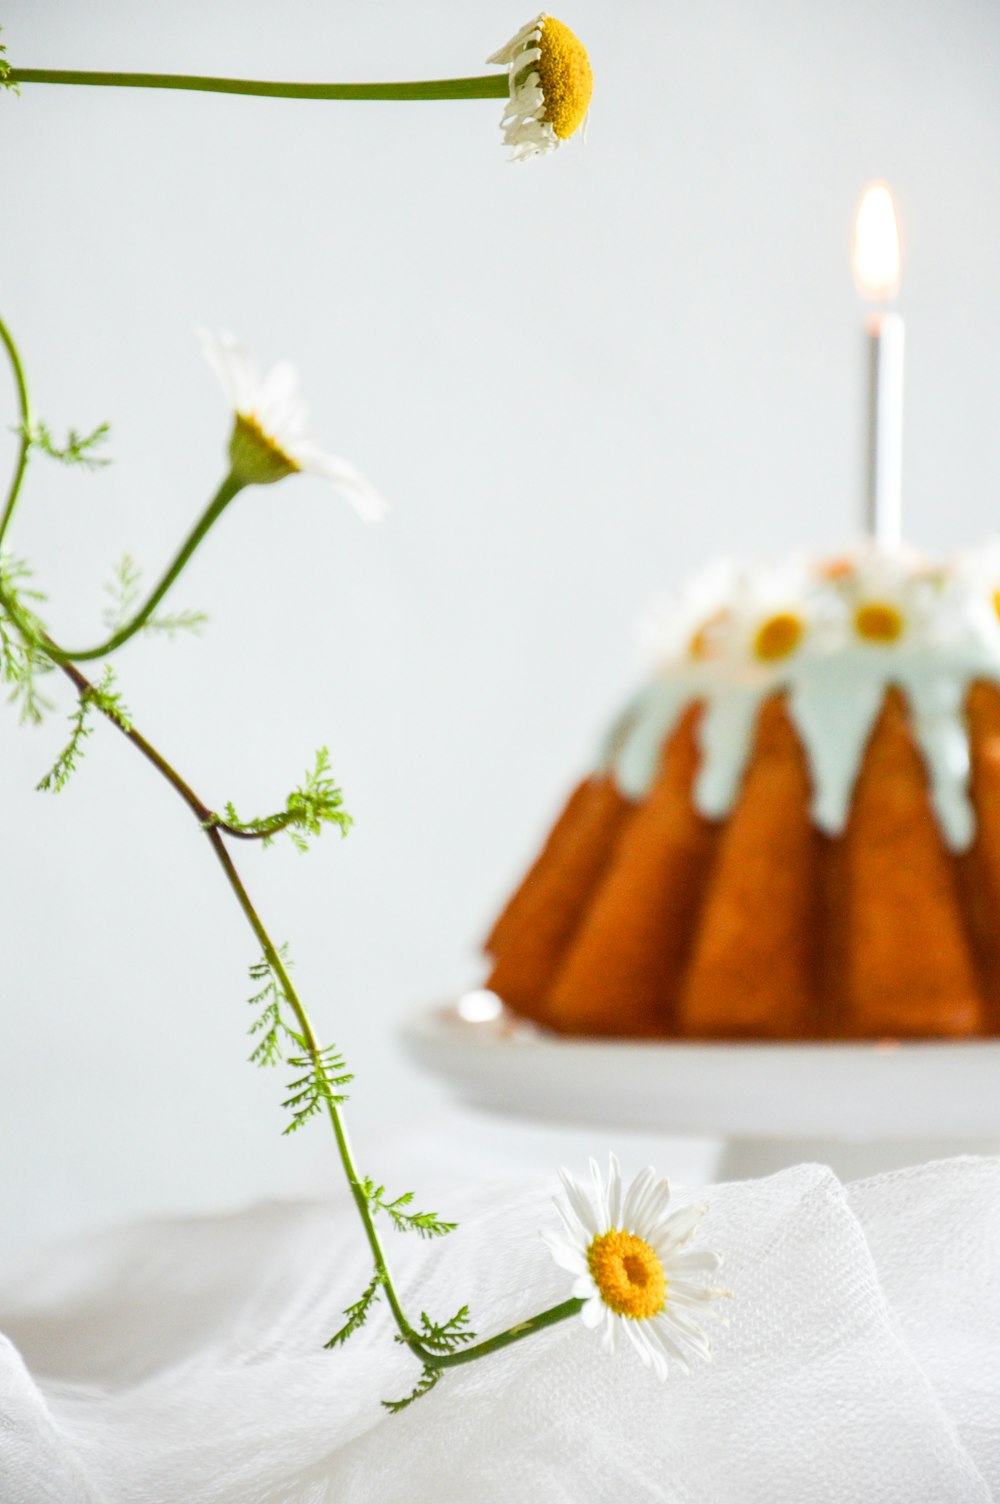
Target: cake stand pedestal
860	1108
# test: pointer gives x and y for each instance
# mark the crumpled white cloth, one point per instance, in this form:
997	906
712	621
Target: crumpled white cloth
182	1361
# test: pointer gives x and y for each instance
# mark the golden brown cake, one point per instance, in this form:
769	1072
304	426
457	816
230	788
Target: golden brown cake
793	831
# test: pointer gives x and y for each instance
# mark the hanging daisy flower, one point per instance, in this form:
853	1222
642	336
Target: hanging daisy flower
633	1268
271	436
550	87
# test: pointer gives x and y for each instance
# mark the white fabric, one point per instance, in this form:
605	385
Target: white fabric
182	1361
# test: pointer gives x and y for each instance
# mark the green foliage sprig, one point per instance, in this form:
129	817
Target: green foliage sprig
77	449
446	1337
271	1027
357	1314
6	82
22	662
424	1224
124	593
316	802
103	697
325	1074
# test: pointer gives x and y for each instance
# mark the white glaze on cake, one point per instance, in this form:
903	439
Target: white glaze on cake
942	635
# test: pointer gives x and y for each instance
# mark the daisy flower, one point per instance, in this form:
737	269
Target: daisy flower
271	436
633	1268
550	87
777	611
690	623
894	599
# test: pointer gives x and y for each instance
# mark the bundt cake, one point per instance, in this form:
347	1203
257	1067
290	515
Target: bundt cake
793	831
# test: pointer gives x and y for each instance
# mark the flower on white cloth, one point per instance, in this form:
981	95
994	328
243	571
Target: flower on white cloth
633	1268
551	84
271	436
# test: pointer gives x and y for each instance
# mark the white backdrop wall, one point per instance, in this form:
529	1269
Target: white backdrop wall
574	381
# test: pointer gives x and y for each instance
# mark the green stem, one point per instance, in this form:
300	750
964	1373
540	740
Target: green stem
230	487
490	86
24	406
538	1323
213	829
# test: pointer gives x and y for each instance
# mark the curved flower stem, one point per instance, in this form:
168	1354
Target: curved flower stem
521	1329
214	829
24	405
489	86
230	487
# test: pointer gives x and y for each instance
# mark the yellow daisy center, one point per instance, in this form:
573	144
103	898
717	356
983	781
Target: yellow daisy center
628	1274
778	636
254	455
996	601
877	621
566	78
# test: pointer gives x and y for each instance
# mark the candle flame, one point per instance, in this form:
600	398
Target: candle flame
876	244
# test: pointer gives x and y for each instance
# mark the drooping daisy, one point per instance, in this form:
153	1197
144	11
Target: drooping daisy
633	1268
271	436
550	87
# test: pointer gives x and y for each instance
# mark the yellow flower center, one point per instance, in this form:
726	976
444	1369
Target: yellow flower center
566	78
254	456
996	601
628	1274
778	636
877	621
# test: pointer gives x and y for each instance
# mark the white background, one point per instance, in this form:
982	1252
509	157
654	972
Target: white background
574	380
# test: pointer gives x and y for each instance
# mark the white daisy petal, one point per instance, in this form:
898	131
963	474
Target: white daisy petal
600	1197
593	1313
677	1227
271	437
614	1192
577	1198
668	1344
584	1288
695	1261
565	1254
634	1196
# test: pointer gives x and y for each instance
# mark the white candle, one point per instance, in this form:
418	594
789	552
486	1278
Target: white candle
876	272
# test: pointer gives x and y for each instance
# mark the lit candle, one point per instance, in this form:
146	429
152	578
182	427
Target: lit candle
876	272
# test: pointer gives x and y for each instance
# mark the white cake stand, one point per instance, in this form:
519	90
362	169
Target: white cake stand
857	1107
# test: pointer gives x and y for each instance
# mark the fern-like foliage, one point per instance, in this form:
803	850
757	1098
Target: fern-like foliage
428	1378
103	697
124	593
320	1086
22	666
270	1030
446	1336
315	803
439	1337
5	79
77	449
424	1224
357	1314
